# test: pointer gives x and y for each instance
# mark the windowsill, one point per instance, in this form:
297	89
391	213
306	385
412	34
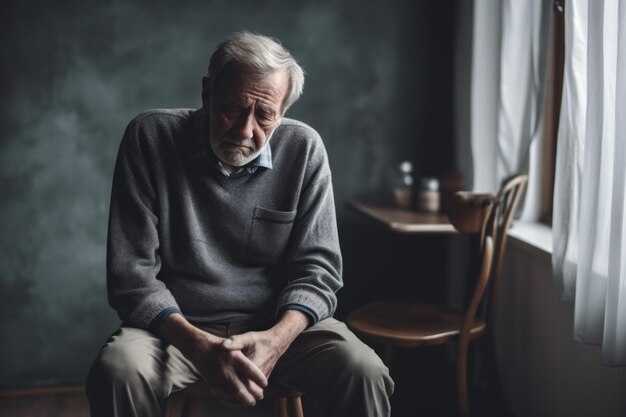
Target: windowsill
532	237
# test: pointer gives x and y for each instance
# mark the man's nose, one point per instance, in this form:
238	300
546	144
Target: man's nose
245	125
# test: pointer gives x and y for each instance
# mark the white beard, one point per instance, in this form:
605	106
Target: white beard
234	156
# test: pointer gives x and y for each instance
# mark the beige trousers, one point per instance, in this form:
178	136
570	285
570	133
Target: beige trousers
136	371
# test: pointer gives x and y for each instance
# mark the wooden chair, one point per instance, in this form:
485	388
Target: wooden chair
438	325
408	325
287	402
509	197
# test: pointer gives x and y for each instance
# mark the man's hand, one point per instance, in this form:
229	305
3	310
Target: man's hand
260	347
232	377
266	347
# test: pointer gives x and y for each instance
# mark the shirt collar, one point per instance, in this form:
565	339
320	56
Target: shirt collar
264	160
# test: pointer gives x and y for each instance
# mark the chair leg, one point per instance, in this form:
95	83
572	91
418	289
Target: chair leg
461	380
289	407
282	409
296	406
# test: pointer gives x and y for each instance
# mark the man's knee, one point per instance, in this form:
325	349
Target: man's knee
361	384
121	364
359	361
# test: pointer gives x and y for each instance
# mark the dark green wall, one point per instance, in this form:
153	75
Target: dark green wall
75	72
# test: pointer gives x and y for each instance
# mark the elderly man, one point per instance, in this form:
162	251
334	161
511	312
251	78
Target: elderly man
223	258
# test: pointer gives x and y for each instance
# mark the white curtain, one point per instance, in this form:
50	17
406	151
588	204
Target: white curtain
589	255
507	87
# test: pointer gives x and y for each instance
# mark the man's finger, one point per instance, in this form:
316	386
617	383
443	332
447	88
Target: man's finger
238	342
247	369
239	391
253	388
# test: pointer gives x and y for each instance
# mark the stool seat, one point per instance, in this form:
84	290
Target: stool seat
288	402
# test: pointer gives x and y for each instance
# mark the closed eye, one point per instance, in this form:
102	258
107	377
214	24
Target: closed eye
265	116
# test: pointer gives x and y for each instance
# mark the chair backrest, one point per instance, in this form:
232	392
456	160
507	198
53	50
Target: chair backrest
491	215
509	197
473	213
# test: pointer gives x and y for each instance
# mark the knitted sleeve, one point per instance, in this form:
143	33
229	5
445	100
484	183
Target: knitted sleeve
133	260
314	259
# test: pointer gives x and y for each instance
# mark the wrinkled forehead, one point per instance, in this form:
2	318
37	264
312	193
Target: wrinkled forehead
236	79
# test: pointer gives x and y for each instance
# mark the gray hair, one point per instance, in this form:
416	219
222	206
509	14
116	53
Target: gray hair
262	55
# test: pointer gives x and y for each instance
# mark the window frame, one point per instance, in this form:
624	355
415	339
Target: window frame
552	109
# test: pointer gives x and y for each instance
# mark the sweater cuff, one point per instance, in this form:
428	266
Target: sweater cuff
320	303
161	317
303	309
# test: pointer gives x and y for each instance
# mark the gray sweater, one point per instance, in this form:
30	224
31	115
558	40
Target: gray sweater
182	236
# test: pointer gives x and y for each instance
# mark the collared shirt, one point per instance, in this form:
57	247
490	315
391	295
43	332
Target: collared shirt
264	160
201	148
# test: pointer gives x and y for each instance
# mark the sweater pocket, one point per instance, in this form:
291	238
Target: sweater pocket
269	233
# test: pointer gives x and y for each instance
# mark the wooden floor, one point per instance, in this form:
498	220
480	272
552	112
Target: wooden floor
71	401
44	402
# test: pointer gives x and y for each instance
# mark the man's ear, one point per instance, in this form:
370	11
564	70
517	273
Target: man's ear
206	92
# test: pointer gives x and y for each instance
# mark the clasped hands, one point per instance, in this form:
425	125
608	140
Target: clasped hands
237	368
